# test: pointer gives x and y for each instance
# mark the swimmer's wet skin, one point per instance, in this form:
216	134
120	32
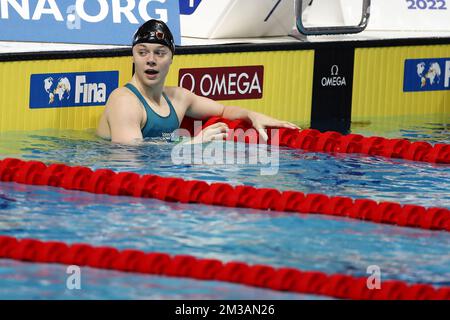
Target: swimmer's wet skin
156	125
146	108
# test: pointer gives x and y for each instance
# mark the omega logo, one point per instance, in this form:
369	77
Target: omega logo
334	80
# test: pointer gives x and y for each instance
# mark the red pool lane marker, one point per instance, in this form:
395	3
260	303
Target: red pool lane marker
282	279
315	141
104	181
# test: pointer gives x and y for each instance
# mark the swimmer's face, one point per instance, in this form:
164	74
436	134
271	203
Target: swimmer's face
152	62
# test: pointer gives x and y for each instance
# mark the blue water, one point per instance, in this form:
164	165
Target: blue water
308	242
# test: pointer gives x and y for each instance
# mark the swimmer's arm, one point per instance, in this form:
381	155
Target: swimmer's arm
258	120
124	121
202	108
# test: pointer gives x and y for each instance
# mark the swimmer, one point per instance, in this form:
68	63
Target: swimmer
145	108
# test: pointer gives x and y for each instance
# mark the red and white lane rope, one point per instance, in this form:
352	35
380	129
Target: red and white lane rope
334	142
105	181
280	279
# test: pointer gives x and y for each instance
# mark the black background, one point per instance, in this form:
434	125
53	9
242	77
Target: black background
332	106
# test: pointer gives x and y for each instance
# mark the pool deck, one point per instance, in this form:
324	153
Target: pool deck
17	47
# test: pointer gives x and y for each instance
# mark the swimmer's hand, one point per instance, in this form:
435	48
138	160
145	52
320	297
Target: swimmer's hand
260	122
217	131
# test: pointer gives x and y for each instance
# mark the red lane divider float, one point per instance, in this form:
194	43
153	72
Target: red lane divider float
104	181
282	279
315	141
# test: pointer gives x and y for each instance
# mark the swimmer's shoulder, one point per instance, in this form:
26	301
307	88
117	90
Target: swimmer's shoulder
179	96
177	91
123	103
122	98
121	94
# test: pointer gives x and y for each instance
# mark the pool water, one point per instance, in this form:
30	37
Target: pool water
308	242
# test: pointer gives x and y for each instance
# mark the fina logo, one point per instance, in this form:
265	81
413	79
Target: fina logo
55	90
91	92
433	73
62	89
427	75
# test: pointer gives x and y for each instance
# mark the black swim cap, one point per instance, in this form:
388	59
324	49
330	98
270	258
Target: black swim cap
154	31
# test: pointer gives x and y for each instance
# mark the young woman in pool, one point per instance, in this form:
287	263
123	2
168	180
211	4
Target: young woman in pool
146	108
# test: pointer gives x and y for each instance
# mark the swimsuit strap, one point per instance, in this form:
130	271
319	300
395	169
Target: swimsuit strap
156	124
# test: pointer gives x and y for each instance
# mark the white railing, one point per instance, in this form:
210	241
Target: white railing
302	5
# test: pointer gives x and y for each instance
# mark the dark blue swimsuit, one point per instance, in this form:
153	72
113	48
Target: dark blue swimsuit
156	126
